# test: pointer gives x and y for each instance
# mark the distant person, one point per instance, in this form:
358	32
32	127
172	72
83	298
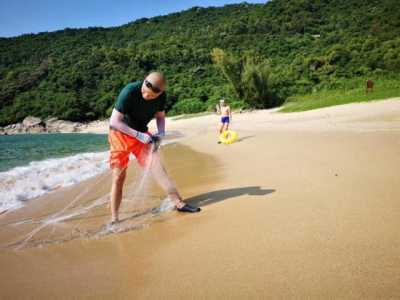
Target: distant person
226	116
370	86
137	104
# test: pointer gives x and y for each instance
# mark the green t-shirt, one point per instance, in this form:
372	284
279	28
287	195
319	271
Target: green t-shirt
137	111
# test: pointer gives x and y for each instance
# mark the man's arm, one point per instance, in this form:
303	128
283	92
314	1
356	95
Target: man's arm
160	119
117	123
218	109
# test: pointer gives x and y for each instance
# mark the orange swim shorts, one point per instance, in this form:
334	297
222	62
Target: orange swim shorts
122	145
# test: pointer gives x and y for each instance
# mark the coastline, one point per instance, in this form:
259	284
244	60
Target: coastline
274	117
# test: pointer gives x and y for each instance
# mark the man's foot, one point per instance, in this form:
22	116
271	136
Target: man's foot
182	206
114	222
188	208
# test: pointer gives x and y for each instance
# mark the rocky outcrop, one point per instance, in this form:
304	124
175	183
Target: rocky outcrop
56	125
14	129
99	126
33	125
29	122
36	125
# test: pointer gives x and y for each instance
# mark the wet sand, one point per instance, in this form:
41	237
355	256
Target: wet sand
303	206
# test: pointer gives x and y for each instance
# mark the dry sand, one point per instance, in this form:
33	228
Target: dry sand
304	206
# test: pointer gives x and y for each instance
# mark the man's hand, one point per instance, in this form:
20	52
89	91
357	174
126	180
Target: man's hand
145	138
156	141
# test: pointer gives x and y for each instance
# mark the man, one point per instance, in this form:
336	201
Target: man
137	104
226	116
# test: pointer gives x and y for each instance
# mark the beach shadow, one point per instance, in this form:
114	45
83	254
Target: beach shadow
221	195
245	138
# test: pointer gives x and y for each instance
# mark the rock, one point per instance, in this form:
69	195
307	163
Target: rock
13	129
36	129
36	125
68	126
52	124
32	125
32	121
50	120
55	125
18	127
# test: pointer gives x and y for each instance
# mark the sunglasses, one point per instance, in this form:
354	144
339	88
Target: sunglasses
152	87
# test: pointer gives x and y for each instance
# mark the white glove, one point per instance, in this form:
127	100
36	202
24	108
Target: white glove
145	138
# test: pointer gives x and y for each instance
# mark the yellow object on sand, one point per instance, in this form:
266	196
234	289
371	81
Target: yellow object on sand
228	137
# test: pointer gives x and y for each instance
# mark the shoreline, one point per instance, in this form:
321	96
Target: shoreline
363	116
101	126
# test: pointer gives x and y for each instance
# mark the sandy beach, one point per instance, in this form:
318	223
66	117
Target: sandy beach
302	206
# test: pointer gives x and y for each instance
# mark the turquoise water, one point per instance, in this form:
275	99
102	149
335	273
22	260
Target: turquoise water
20	150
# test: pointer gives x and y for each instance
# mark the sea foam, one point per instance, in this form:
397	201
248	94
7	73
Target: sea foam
21	184
40	177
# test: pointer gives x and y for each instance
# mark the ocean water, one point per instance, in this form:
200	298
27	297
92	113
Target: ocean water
20	150
32	165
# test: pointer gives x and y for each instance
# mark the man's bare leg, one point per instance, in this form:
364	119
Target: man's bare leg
221	128
118	179
226	126
162	178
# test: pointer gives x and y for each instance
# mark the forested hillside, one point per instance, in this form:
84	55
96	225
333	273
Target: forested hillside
75	74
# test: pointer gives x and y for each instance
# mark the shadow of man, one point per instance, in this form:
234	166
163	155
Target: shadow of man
221	195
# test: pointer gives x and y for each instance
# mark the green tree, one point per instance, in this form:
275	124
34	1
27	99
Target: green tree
248	76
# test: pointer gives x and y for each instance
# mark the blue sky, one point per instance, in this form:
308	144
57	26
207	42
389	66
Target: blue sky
32	16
